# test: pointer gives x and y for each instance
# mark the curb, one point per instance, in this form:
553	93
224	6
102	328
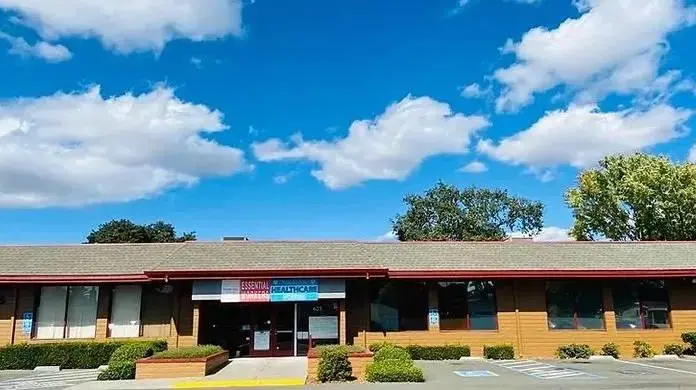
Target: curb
270	382
662	358
471	358
47	368
601	358
689	357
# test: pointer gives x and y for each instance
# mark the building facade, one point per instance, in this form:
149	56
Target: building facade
278	298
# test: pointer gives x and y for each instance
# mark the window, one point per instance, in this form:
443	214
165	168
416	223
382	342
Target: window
641	305
574	305
125	311
467	305
67	312
398	305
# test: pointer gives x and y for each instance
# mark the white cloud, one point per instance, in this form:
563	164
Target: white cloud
130	25
388	147
474	167
387	237
582	135
41	49
83	148
549	233
196	62
614	46
284	178
474	90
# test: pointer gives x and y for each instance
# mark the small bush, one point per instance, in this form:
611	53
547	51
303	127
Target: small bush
689	338
574	351
611	349
641	349
374	347
334	366
118	371
188	352
438	352
131	353
499	352
674	349
348	348
392	352
393	370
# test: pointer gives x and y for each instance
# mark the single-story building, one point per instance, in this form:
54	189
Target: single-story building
276	298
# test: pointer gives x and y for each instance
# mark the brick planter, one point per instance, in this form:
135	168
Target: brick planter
150	368
358	360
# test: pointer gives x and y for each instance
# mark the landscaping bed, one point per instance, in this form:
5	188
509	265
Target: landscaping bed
182	362
357	356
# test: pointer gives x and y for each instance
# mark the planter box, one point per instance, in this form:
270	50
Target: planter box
150	368
358	360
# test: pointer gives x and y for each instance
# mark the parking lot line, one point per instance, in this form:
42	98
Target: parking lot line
541	370
658	367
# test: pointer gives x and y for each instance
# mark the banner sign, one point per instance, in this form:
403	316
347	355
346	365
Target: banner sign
293	290
27	322
230	291
255	290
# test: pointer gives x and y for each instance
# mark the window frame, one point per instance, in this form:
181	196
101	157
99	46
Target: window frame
38	292
576	321
635	285
467	318
109	322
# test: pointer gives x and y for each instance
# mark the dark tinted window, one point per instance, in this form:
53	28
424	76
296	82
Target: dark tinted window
574	305
398	305
641	305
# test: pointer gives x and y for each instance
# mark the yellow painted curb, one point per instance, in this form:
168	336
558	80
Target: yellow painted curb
240	383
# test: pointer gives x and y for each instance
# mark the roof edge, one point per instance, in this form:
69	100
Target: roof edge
546	274
68	279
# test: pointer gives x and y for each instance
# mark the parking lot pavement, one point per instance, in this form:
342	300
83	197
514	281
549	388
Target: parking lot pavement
555	374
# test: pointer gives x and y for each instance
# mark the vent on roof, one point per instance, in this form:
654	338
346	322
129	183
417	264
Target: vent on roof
235	238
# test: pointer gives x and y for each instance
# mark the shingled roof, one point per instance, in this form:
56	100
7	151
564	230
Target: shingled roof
230	258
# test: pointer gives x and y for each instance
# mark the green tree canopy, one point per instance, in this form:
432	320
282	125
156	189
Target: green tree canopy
445	212
635	197
123	230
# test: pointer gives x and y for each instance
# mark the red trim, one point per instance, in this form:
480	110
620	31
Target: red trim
542	274
248	274
69	279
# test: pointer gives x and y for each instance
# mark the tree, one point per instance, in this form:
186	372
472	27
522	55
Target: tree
635	197
123	230
445	212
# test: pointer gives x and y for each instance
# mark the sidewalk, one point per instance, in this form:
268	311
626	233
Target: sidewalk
242	372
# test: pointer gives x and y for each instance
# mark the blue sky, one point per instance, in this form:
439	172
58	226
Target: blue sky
311	119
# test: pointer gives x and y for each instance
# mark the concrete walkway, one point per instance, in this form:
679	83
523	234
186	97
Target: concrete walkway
241	372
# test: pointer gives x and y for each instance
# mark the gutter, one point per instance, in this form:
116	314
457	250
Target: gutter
249	274
542	274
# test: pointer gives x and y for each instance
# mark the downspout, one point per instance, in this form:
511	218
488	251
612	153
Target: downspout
13	326
518	330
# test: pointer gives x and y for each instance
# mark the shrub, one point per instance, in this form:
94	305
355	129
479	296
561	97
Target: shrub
65	355
674	349
199	351
393	370
392	352
641	349
122	361
438	352
499	352
611	349
334	366
574	351
374	347
348	348
118	371
689	338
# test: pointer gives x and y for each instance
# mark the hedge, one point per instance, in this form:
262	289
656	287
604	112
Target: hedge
348	348
674	349
334	365
394	370
689	338
430	352
611	349
641	349
122	361
574	351
499	352
199	351
79	354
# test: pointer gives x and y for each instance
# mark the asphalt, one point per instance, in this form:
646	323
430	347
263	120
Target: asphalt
510	375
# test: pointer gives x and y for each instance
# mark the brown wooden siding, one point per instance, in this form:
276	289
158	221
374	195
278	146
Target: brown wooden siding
7	314
522	321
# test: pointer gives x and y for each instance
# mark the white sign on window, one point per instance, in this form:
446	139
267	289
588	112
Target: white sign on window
230	291
262	340
324	327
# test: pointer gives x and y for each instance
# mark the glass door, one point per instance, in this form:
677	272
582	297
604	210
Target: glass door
284	329
262	331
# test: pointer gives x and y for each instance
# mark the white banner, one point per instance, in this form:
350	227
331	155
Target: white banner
230	291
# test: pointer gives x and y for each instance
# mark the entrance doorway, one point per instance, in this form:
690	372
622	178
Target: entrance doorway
273	330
